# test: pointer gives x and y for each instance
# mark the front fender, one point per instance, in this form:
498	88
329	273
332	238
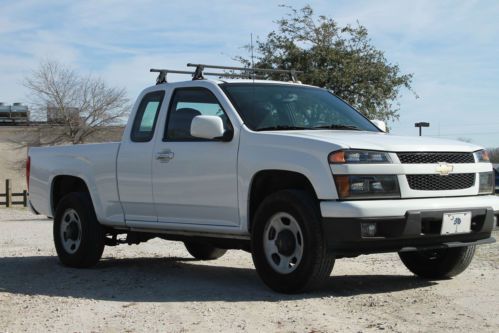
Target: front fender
259	152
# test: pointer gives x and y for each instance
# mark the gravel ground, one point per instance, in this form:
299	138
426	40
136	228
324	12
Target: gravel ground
157	287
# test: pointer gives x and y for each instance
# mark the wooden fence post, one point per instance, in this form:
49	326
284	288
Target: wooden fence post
8	193
25	198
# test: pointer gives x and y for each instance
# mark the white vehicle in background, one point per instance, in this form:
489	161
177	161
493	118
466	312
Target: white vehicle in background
286	171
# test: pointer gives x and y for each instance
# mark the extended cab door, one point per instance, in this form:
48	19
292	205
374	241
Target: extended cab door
134	160
195	180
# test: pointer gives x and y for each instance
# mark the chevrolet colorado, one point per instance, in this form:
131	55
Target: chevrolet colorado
286	171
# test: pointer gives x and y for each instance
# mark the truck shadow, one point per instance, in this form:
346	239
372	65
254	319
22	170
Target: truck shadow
171	280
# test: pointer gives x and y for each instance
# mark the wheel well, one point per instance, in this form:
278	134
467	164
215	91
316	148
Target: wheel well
269	181
63	185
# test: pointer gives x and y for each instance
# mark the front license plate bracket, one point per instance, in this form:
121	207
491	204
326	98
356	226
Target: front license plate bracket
456	223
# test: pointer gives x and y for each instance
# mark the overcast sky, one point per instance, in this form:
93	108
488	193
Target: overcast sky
452	47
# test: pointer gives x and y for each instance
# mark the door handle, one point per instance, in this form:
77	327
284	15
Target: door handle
165	156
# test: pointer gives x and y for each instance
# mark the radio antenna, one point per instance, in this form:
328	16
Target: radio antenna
252	56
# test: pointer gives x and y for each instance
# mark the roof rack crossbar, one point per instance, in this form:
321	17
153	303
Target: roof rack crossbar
243	76
163	73
248	69
291	72
198	73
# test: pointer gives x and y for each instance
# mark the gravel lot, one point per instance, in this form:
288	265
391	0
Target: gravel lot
156	286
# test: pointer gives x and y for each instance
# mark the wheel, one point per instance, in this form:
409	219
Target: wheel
204	251
439	263
78	236
288	247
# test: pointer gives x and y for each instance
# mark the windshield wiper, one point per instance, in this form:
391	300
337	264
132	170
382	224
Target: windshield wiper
282	128
289	127
339	127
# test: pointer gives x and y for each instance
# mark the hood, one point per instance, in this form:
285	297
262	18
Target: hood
382	141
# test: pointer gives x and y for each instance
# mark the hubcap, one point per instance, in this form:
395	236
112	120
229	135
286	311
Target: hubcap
70	231
283	243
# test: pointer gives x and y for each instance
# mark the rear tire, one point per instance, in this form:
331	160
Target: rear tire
78	236
204	251
288	247
439	263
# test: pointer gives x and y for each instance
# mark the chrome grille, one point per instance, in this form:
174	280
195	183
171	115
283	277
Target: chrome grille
422	158
454	181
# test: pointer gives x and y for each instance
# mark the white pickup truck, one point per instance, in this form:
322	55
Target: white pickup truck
286	171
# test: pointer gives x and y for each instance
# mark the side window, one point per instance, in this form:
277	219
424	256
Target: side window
146	116
186	104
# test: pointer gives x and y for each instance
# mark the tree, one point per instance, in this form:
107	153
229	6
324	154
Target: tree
80	104
341	59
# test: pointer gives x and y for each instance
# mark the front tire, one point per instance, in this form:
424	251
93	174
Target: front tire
438	263
204	251
288	247
78	236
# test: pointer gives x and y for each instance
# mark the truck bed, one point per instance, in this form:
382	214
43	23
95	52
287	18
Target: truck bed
94	163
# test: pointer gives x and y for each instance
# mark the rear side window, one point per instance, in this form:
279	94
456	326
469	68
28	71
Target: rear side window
146	117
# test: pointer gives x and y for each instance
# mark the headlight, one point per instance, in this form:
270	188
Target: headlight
358	157
367	187
486	183
482	156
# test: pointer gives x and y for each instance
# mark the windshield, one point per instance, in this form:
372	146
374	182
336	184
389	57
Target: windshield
288	107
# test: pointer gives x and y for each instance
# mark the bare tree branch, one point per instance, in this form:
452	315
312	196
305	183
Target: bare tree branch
81	104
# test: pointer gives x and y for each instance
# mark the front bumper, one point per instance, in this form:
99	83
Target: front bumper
398	207
416	227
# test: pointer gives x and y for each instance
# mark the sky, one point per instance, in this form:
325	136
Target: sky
451	47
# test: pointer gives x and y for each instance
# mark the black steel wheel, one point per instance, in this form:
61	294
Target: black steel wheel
78	236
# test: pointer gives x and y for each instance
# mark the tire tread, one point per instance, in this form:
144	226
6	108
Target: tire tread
453	262
204	251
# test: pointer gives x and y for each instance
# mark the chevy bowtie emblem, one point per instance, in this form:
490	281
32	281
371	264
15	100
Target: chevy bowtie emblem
444	168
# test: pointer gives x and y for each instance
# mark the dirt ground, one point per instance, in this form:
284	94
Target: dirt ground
157	287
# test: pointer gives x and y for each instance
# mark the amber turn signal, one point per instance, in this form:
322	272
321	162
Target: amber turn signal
343	186
356	156
337	157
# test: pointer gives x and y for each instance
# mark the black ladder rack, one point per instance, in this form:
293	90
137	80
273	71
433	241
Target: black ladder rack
198	73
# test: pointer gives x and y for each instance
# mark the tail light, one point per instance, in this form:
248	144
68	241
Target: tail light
28	167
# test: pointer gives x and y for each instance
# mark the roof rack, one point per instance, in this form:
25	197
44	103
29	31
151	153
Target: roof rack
198	73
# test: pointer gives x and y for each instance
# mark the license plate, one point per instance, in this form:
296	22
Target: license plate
456	223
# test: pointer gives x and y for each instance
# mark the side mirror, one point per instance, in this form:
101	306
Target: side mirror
379	124
207	127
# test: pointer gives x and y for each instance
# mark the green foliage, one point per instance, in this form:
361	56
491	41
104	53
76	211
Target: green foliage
341	59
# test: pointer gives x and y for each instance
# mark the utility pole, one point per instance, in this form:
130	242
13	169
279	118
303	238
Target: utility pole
420	125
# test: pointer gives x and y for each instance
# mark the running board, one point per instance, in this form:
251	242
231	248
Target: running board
190	233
